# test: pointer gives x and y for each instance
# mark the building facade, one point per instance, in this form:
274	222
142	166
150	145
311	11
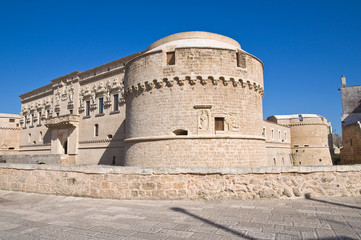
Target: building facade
191	99
309	138
9	133
351	123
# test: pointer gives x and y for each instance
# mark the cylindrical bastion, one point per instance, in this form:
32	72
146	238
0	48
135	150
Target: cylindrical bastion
194	99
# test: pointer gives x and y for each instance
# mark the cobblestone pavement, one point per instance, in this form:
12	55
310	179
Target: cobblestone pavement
36	216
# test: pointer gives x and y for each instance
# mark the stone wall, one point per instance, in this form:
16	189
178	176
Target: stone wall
32	158
183	183
351	141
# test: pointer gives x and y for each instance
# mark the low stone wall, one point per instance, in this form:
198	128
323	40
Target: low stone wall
31	158
182	183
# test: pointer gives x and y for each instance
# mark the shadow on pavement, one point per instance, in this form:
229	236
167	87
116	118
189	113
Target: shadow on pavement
236	233
308	197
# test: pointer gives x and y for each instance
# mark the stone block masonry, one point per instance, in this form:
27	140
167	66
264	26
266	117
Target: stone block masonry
182	183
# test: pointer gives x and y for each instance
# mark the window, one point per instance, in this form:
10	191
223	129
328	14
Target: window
87	112
264	132
279	135
241	59
351	142
219	124
300	118
116	102
29	138
47	113
40	136
25	119
39	118
285	136
101	105
170	58
32	119
180	132
96	130
272	134
71	111
11	120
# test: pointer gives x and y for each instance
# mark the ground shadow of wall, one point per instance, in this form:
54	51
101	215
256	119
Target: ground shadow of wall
114	152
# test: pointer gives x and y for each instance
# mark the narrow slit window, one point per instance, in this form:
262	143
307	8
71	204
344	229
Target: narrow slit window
116	102
170	58
219	124
87	108
101	105
96	130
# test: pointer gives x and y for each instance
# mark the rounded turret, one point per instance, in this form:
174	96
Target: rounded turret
194	99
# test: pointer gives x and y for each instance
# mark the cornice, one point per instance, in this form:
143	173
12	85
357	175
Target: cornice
10	128
102	140
194	80
102	75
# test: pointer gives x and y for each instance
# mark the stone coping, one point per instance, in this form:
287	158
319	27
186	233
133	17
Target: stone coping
99	169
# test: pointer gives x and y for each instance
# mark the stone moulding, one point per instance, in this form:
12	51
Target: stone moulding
191	80
177	137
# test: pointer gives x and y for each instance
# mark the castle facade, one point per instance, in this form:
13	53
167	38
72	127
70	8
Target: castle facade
191	99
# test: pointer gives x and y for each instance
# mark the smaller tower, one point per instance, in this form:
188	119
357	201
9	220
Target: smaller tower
343	81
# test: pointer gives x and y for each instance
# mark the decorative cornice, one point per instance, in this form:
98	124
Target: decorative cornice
193	80
10	128
301	124
102	140
103	75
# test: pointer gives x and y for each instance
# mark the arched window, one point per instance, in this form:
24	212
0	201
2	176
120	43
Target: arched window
96	130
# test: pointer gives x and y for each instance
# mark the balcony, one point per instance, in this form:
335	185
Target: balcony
61	122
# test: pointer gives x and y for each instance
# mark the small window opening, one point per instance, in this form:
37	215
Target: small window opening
101	105
71	111
96	130
29	138
108	69
87	108
272	134
320	160
300	118
237	58
40	136
113	160
295	145
170	58
274	161
299	162
296	150
110	136
57	114
11	148
283	160
219	124
264	132
307	145
17	125
11	120
116	102
47	113
34	142
180	132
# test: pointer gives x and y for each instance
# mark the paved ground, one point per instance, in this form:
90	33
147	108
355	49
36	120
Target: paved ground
35	216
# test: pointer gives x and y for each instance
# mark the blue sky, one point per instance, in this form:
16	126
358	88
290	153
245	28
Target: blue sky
305	45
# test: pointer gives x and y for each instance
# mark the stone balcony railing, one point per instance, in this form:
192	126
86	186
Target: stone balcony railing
64	121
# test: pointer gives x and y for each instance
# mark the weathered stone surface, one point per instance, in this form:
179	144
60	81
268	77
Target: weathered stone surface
216	184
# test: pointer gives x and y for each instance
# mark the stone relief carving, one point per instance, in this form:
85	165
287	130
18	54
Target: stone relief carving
203	122
71	93
233	122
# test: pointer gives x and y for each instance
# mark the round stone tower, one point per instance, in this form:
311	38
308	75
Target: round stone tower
194	99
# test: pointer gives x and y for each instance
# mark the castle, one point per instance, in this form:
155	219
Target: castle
351	123
192	99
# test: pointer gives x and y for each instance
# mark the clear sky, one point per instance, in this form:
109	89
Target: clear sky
305	45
